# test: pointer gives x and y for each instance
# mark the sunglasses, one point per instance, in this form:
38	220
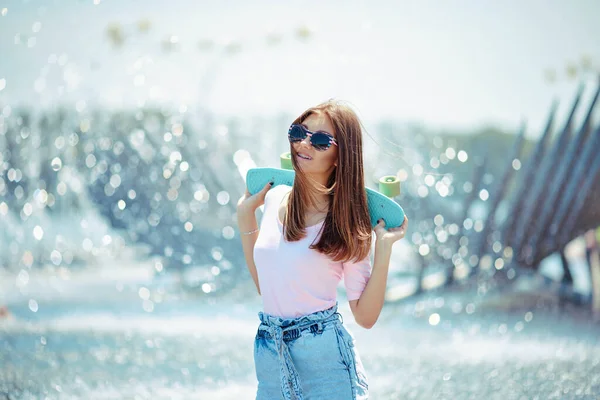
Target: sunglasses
321	141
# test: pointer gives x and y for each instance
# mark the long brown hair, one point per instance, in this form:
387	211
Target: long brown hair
346	232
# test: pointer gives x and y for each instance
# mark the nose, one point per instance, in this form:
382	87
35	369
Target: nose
306	141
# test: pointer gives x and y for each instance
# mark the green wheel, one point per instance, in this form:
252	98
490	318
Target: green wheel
286	160
389	186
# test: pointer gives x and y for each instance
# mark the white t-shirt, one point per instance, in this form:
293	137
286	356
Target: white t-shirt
295	280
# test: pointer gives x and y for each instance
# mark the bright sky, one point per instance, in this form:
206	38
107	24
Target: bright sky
454	64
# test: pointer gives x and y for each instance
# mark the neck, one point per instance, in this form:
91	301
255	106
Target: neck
322	200
322	207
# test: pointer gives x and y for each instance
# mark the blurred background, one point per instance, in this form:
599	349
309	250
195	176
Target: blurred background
126	131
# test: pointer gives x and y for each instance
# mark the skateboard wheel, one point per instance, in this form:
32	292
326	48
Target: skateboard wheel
286	160
389	186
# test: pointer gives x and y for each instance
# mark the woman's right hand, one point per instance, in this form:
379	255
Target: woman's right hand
249	203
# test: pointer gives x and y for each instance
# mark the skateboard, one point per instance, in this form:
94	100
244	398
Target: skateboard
381	204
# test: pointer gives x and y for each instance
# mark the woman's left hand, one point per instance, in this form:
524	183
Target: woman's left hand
390	235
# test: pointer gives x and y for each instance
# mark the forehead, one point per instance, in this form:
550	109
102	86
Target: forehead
319	121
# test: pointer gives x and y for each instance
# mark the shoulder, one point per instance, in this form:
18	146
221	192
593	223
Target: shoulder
278	191
276	194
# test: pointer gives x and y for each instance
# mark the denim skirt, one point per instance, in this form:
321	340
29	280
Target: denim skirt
307	358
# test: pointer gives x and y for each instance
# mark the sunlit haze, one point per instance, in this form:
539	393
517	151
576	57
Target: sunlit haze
452	64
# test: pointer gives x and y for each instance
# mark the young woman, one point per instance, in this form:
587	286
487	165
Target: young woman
311	235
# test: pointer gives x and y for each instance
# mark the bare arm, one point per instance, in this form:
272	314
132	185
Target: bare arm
246	223
367	308
246	216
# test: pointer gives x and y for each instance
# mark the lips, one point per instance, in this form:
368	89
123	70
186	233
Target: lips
304	156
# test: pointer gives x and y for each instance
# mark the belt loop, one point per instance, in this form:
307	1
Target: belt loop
319	327
316	328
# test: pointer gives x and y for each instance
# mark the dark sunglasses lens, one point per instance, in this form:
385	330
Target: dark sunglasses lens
320	141
296	134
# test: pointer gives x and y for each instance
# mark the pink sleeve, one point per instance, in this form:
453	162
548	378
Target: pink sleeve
356	276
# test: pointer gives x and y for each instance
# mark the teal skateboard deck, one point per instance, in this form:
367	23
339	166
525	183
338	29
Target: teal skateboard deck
380	205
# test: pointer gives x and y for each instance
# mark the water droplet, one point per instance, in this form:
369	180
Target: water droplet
90	161
177	130
499	264
223	198
478	226
144	293
87	245
148	305
38	232
115	181
468	223
429	180
56	164
22	279
484	194
417	169
502	329
497	246
216	253
158	266
519	326
175	157
56	257
511	273
468	187
434	319
33	305
228	232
